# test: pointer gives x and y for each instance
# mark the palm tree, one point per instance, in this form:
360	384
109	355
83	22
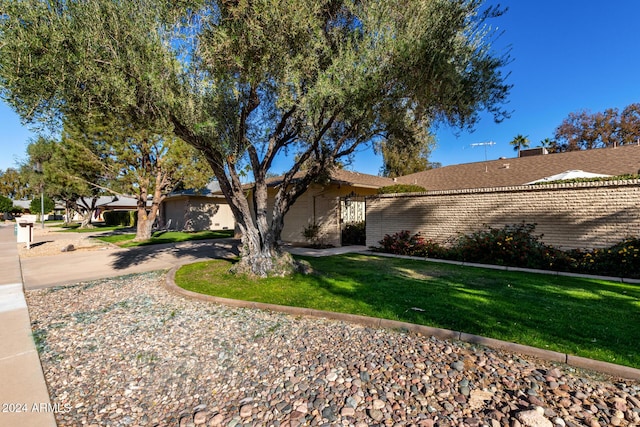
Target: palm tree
549	144
519	142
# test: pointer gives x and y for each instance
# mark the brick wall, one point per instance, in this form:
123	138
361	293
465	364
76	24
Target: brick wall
574	215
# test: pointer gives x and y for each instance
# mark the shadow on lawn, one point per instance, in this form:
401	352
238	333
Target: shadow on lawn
196	250
580	316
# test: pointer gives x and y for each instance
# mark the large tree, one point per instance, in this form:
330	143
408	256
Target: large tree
146	164
244	81
403	157
13	184
60	172
584	130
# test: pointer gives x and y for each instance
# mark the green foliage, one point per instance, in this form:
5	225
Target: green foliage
122	218
400	157
401	188
354	234
519	142
13	184
513	245
6	204
404	243
311	232
244	81
35	205
517	246
585	317
619	260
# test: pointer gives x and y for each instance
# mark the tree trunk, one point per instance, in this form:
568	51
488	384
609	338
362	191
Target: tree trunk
261	256
68	213
86	220
146	218
145	225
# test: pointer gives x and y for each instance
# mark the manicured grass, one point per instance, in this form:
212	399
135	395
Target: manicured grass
126	240
584	317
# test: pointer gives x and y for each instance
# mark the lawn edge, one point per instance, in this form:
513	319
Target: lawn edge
612	369
506	267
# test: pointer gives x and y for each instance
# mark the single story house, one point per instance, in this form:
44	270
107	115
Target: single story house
509	172
197	210
330	204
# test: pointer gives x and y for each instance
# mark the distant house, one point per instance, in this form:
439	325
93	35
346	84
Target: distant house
509	172
197	210
331	205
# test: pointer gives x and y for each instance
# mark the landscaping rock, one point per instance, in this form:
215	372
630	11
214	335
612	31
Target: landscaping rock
143	356
68	248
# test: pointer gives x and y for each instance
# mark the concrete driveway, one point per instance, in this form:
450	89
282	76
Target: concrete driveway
72	267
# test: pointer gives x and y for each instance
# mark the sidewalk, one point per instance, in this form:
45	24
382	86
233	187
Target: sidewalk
24	398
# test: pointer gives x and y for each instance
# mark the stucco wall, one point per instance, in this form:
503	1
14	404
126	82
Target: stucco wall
320	203
576	215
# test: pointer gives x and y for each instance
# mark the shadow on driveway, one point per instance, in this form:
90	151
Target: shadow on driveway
180	253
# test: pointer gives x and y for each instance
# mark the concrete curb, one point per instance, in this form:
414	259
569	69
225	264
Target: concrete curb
372	322
506	268
23	389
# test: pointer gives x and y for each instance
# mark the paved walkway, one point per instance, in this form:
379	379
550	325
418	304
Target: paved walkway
83	265
23	391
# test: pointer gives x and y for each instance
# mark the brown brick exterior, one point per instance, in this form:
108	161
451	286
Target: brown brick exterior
575	215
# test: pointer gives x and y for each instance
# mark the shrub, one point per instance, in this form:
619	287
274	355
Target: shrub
513	245
401	188
354	234
403	243
6	204
122	218
620	260
36	208
517	246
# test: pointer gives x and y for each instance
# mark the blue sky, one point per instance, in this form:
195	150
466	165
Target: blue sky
567	56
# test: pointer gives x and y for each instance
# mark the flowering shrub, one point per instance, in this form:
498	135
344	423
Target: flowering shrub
403	243
517	246
513	245
620	260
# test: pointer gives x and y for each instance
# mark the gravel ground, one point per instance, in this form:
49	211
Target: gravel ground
49	241
126	352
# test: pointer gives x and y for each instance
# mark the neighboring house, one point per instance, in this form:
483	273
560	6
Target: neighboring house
341	199
470	197
25	205
331	205
509	172
197	210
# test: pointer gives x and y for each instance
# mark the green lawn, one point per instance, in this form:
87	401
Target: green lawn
584	317
126	239
75	228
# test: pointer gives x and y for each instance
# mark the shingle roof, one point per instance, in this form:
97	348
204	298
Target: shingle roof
357	179
341	176
518	171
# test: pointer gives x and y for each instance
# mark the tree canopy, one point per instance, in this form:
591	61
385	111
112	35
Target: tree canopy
244	81
584	130
12	184
400	157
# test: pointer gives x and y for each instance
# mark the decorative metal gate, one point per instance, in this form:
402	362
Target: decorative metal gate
352	219
352	209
